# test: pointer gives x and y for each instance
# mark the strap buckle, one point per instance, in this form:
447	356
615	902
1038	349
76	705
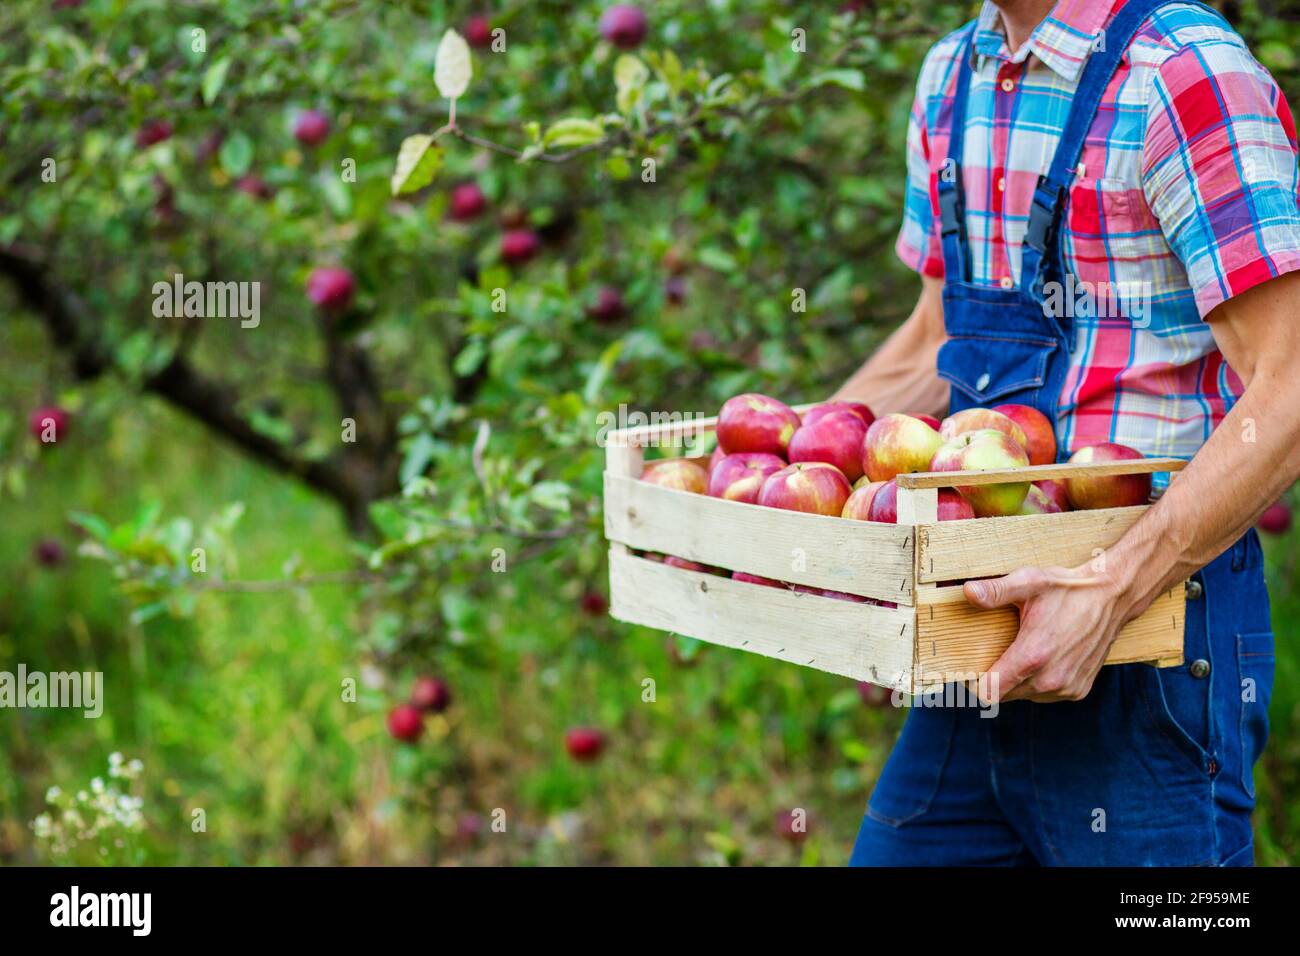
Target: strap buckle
1044	214
950	208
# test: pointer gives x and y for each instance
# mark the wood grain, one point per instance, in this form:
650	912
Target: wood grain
982	547
861	641
857	557
950	479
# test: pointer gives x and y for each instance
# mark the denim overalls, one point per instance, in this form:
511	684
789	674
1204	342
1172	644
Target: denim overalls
1154	766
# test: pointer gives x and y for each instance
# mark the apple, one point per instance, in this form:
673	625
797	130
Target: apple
153	132
593	603
331	288
873	695
928	419
623	25
681	474
406	723
791	826
835	437
1276	518
896	444
884	506
478	32
467	202
812	487
843	596
608	305
255	186
1107	491
673	561
756	423
748	578
432	694
975	419
859	504
49	553
738	477
987	449
859	409
519	245
48	424
584	744
675	290
1040	436
1056	491
1039	502
717	456
311	127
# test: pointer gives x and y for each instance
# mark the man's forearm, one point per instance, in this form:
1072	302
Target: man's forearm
1247	463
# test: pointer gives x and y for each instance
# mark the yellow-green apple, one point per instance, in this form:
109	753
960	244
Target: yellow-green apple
859	504
1107	491
1056	491
884	506
988	449
862	410
835	437
896	444
1040	436
738	477
813	487
975	419
1039	502
755	579
753	422
681	474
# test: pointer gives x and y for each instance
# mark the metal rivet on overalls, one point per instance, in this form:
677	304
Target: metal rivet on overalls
1194	590
1200	667
982	382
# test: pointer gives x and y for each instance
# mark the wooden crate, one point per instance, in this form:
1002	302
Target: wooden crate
931	635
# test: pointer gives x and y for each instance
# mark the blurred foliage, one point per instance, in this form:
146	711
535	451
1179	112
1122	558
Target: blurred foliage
479	555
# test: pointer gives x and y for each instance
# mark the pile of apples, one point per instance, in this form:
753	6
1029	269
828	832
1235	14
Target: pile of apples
840	460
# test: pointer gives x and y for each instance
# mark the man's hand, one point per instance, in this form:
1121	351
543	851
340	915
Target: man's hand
1069	617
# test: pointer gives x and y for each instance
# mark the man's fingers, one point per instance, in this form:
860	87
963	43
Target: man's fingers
1014	588
1017	664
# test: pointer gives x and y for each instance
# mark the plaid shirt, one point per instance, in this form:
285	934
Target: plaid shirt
1186	190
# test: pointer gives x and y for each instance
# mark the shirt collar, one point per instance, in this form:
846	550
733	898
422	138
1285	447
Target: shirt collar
1062	41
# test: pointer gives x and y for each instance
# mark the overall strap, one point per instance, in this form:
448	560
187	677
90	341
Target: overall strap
1041	251
952	197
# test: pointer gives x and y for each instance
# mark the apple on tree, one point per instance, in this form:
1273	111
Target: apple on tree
431	694
624	26
584	744
467	202
478	32
311	127
405	723
330	288
756	423
48	424
519	245
1087	492
1276	518
812	487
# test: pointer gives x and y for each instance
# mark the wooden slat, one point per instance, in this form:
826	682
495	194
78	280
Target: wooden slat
857	557
982	547
862	641
950	479
954	638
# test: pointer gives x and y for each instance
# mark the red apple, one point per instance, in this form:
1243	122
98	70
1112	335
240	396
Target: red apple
1107	491
331	288
681	474
584	744
738	477
1039	502
432	694
1276	518
813	487
756	423
1055	490
835	437
405	722
478	32
896	444
255	186
873	695
748	578
792	827
594	604
1040	436
988	449
467	202
844	596
608	305
954	507
48	424
858	507
884	506
311	127
863	411
49	552
153	132
717	456
623	25
928	419
519	245
675	562
975	419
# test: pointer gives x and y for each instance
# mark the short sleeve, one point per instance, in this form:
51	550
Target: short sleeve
918	241
1219	169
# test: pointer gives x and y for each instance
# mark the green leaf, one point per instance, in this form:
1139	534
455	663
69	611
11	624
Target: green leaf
93	525
573	132
470	358
453	69
214	78
717	259
600	371
418	455
630	76
849	79
236	153
551	495
418	161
